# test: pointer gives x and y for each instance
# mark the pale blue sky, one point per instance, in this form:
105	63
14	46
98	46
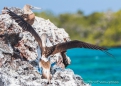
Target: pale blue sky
61	6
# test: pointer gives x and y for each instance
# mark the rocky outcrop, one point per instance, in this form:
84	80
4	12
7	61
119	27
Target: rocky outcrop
15	72
19	55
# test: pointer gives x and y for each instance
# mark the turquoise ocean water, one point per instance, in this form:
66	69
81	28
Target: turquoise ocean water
96	67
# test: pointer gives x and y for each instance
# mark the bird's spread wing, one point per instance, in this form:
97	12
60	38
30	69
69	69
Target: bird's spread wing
77	44
25	26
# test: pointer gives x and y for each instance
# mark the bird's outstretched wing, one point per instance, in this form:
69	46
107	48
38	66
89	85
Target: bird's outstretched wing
78	44
25	26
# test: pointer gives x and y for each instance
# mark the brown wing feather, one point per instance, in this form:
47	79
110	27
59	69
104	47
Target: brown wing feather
76	44
25	26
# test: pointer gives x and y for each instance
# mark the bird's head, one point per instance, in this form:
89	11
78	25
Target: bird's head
29	16
44	40
28	9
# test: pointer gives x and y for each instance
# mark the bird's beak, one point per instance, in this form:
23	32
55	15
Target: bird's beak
35	8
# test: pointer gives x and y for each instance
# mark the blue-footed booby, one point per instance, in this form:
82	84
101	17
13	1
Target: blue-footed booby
48	51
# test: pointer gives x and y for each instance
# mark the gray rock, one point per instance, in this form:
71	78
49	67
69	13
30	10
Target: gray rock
15	71
1	82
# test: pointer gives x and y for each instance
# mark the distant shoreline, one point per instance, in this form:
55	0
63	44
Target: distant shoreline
119	46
